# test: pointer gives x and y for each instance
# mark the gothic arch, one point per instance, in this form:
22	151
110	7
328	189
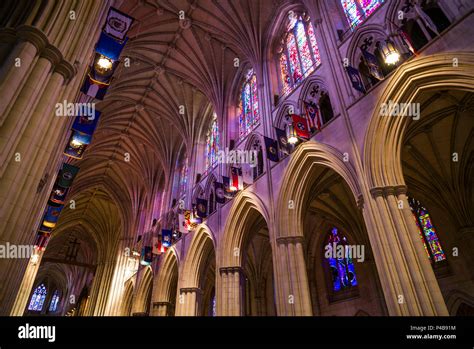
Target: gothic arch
297	178
198	274
165	284
141	301
353	51
196	253
384	137
128	298
245	205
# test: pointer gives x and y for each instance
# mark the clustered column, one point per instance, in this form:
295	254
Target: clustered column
294	293
407	278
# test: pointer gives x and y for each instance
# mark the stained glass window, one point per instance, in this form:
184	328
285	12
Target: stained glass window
54	301
183	179
212	143
300	54
427	231
37	299
341	266
248	105
358	10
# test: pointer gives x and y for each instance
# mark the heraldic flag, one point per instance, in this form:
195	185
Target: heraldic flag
117	24
220	192
236	180
313	115
301	126
272	149
201	206
166	235
67	175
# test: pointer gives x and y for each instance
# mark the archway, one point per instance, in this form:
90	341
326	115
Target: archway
320	193
141	306
393	167
197	283
166	286
246	275
127	298
341	283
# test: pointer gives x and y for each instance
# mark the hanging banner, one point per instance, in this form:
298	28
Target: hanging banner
58	194
52	215
86	124
117	24
41	240
77	144
146	256
67	175
166	236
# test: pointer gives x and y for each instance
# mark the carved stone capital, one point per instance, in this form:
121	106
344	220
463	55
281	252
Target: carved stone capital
230	270
33	35
285	240
389	191
376	192
66	69
190	290
400	189
161	304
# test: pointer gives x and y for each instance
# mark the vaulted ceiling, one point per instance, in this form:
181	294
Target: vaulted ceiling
160	106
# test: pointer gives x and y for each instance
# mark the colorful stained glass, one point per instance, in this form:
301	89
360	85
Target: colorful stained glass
54	301
285	77
358	10
248	105
353	14
183	180
342	269
427	231
212	143
300	56
37	299
369	6
255	110
314	44
294	60
303	47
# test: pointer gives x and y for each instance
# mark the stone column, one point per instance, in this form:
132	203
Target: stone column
161	308
27	284
408	281
292	278
231	291
189	302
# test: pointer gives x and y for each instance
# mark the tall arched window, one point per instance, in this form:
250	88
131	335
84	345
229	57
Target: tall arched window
357	11
299	53
248	105
341	268
212	143
183	178
54	301
37	299
427	231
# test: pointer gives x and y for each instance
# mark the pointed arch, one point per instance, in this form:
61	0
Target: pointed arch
141	301
384	136
165	284
245	205
297	179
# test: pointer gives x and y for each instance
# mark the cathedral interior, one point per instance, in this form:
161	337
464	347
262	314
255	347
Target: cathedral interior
236	158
